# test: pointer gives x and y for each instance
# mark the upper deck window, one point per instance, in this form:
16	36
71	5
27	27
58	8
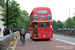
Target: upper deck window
42	11
35	17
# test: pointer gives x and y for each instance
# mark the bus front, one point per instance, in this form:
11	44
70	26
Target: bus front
44	23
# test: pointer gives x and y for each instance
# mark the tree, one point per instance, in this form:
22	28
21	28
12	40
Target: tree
14	12
2	3
62	23
23	20
26	19
54	24
59	23
25	14
74	20
69	24
16	16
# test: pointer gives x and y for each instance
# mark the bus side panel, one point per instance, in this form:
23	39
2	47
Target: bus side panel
31	31
51	30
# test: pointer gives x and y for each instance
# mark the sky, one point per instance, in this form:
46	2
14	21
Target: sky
59	8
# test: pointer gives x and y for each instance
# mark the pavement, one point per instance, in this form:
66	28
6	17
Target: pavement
56	43
1	35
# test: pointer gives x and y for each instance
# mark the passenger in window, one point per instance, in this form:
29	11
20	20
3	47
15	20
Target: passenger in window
44	25
35	25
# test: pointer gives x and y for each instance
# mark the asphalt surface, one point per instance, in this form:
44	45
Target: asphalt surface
64	38
57	43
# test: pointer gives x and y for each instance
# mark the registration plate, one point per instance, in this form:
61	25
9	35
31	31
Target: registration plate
44	35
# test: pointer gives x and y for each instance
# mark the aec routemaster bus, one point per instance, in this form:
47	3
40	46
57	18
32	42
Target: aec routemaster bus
41	23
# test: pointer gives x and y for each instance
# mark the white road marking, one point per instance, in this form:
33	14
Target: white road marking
65	41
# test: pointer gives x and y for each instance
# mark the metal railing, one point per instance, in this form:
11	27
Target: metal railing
5	41
71	32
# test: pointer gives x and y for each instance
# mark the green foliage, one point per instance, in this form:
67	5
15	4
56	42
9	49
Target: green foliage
59	23
73	18
25	13
2	3
26	19
69	23
54	24
23	20
16	16
13	14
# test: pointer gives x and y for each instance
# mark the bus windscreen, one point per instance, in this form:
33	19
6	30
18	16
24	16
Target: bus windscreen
44	25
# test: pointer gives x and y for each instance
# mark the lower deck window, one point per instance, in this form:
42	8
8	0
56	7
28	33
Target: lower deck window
44	25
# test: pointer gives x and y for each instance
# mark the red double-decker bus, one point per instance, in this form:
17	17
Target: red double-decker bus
41	23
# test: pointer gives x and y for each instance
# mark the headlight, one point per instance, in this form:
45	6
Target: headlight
49	34
50	26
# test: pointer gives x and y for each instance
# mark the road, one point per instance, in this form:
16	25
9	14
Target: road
57	43
66	39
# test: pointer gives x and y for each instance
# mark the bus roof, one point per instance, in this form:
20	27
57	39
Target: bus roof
41	8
